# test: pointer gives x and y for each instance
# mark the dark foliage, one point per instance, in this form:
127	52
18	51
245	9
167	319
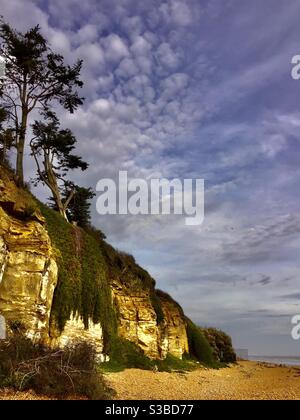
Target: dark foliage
124	267
157	306
221	344
198	345
52	149
125	354
6	137
79	207
55	373
39	76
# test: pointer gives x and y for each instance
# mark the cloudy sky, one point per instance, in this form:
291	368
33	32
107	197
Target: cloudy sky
195	89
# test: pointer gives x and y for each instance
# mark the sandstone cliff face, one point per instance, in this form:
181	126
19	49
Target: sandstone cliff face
173	335
29	275
28	271
74	330
138	323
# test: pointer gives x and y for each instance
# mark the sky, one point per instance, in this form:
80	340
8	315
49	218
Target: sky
195	89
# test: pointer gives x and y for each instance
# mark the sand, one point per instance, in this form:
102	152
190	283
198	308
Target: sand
245	381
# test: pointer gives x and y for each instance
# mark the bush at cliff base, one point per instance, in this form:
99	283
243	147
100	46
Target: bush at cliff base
198	345
54	373
125	354
221	344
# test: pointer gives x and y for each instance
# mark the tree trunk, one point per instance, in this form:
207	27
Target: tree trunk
19	165
20	149
61	207
52	180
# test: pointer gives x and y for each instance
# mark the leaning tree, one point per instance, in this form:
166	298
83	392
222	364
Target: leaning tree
79	208
52	150
35	78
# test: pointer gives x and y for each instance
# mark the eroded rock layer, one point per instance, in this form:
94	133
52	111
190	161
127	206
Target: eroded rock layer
138	323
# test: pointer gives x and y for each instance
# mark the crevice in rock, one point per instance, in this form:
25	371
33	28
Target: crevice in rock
5	254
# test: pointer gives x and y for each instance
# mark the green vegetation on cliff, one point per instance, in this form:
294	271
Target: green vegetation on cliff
126	354
83	287
198	345
123	266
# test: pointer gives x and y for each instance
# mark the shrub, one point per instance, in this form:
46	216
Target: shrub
124	267
156	304
5	162
198	345
17	327
55	373
221	344
29	211
125	354
172	363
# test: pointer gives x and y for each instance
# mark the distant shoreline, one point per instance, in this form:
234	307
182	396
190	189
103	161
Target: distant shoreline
277	360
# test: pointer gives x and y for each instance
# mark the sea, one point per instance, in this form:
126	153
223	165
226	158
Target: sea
278	360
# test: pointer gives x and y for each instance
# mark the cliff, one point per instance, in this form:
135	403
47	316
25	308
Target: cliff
63	283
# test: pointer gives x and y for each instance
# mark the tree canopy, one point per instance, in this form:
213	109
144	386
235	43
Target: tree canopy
36	78
52	149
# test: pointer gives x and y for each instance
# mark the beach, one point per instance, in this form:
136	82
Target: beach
244	381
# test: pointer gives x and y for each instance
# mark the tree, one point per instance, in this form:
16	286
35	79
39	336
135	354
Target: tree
36	77
79	207
54	147
6	136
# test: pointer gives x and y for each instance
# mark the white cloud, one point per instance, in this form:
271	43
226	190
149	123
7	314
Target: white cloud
102	107
273	145
127	68
115	47
92	56
59	41
167	57
140	46
87	33
174	85
181	14
23	14
133	25
106	83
